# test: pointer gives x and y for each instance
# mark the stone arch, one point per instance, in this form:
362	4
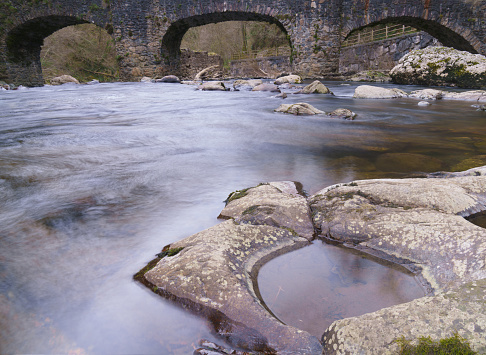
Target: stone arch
23	45
171	42
454	37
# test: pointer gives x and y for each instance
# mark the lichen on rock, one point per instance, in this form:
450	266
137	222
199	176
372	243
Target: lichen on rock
441	66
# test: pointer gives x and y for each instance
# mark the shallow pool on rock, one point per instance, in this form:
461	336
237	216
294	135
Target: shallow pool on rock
312	287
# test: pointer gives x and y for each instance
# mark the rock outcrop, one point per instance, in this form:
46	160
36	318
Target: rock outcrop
299	109
441	66
415	223
462	311
376	92
214	272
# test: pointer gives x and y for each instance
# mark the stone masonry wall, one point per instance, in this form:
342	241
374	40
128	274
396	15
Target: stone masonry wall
383	55
270	67
193	62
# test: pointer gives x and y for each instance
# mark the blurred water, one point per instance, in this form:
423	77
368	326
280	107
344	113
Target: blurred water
95	180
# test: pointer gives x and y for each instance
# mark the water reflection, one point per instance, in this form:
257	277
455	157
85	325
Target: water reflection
312	287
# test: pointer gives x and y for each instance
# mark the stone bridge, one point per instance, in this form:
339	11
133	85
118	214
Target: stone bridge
148	33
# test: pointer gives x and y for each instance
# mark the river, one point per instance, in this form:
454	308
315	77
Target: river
96	179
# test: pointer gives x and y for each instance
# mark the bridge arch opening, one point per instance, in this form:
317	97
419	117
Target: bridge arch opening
171	42
24	41
24	44
84	51
443	34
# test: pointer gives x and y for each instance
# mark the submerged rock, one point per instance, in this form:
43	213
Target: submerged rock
315	88
376	92
64	79
406	162
299	109
439	66
288	79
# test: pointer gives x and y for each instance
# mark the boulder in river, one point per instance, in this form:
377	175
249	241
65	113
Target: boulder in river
376	92
427	94
315	88
64	79
246	84
288	79
169	79
212	86
298	109
266	87
440	66
342	113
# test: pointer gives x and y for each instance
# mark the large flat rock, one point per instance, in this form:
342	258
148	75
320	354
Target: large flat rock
418	220
461	311
216	273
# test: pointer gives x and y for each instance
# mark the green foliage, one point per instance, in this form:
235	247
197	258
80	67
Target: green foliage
85	52
454	345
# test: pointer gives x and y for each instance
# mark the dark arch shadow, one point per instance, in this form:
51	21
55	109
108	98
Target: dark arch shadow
171	42
445	35
24	41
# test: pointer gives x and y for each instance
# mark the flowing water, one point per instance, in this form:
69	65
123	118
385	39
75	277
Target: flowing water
95	180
